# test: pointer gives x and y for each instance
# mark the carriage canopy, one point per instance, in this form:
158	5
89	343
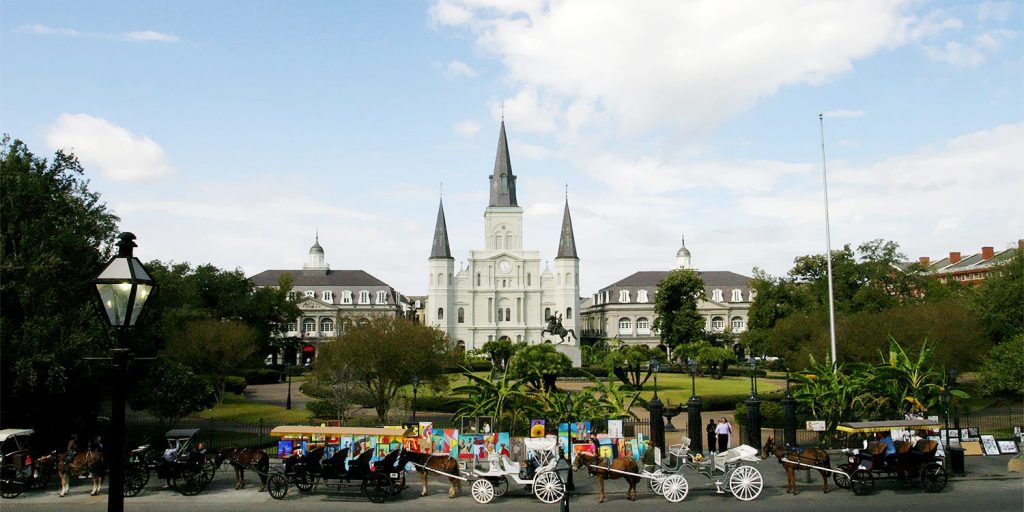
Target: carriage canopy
885	426
307	430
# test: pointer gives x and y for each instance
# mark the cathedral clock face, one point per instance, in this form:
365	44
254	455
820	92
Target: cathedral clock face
504	267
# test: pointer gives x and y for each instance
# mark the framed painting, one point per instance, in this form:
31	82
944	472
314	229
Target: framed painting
989	445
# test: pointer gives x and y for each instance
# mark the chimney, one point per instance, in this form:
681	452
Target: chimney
1020	243
987	253
923	260
954	258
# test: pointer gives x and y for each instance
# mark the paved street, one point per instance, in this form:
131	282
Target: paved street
987	487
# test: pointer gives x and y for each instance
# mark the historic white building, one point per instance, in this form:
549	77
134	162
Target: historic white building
625	309
502	291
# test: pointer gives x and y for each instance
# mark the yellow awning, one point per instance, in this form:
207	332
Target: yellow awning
308	430
882	426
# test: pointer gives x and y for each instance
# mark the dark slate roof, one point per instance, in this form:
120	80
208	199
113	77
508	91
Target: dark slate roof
503	169
440	248
711	278
330	278
567	242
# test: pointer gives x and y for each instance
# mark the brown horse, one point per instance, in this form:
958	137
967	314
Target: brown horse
791	460
599	467
83	463
242	459
441	463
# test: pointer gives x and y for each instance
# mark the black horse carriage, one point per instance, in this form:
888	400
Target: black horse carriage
377	480
18	470
183	464
912	464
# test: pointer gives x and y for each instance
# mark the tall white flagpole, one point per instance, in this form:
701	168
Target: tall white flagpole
828	248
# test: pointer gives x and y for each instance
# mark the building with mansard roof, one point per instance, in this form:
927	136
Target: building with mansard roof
625	308
502	292
331	301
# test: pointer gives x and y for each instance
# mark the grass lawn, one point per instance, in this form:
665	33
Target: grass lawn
237	409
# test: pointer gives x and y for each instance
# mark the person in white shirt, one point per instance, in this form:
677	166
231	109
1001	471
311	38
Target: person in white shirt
722	431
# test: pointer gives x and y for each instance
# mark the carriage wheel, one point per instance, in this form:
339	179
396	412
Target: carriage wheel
933	477
548	487
656	481
674	488
208	471
500	486
277	486
483	491
862	482
189	481
841	479
136	476
376	487
397	485
10	485
746	483
304	481
42	479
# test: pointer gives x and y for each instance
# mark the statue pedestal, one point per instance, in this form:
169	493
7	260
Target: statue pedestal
572	352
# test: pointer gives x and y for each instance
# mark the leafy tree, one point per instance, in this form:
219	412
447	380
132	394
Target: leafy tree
675	307
716	359
1003	369
501	351
999	300
170	392
213	348
56	234
631	364
268	310
385	353
595	354
336	383
911	383
539	365
615	402
504	399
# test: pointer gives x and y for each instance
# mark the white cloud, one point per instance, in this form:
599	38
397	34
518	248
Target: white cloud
135	36
955	53
691	64
844	113
459	68
467	128
116	152
997	11
994	39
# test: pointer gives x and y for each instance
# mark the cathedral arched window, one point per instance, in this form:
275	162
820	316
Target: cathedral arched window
497	241
508	314
440	313
529	279
508	241
547	313
643	326
462	315
568	278
737	324
503	184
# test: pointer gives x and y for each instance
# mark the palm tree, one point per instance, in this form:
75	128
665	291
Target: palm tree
504	399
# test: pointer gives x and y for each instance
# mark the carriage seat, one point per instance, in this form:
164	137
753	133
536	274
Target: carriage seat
362	461
336	461
681	450
510	466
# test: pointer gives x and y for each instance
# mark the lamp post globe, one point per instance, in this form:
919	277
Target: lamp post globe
692	363
123	288
752	362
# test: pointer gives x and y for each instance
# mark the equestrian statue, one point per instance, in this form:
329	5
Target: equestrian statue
555	327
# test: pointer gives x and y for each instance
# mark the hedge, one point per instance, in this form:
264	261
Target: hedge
254	376
234	384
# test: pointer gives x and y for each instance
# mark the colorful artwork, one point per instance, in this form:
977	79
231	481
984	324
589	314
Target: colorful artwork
284	448
580	430
468	426
605	450
450	442
536	428
482	446
563	437
615	428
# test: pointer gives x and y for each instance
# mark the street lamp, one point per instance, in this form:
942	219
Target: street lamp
415	385
569	484
655	368
952	382
752	362
693	410
122	287
692	363
753	407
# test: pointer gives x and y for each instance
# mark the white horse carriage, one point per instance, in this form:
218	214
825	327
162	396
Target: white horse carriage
724	469
538	473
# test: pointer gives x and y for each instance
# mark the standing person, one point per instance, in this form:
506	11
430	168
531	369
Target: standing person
712	437
729	425
722	430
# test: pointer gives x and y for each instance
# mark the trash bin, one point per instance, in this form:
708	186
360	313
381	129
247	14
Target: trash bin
955	456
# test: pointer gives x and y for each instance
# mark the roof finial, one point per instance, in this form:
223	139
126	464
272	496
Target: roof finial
317	235
503	111
441	192
566	192
683	239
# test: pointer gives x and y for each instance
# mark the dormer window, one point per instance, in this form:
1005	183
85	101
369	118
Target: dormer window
309	293
641	296
292	295
716	295
737	296
346	297
328	296
623	296
364	297
382	297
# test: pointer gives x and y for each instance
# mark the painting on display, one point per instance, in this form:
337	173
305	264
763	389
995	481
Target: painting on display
604	448
615	429
536	428
563	437
988	443
284	448
940	451
580	430
446	442
468	425
1018	432
971	447
482	446
1007	446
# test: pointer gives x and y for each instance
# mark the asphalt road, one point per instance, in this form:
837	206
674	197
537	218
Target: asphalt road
991	493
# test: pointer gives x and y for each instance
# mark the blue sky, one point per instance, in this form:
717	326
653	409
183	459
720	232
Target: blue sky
228	132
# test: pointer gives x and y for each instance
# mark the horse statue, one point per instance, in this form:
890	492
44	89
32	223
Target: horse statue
555	327
599	467
82	463
242	459
789	455
424	462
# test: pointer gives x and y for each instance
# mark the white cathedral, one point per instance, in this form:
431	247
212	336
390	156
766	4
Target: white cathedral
502	292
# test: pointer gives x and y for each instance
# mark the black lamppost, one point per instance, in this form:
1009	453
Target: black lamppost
693	410
952	382
415	385
657	409
122	287
655	368
569	484
788	416
753	408
288	373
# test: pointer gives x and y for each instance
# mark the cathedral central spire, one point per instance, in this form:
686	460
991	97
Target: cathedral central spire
440	248
503	182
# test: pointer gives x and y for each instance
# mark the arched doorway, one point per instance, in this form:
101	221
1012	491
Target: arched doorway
308	354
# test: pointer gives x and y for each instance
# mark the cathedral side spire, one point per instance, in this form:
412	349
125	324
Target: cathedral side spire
440	248
503	182
567	241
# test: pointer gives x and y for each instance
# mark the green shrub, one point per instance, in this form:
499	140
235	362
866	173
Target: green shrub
234	384
771	414
436	403
255	376
321	409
